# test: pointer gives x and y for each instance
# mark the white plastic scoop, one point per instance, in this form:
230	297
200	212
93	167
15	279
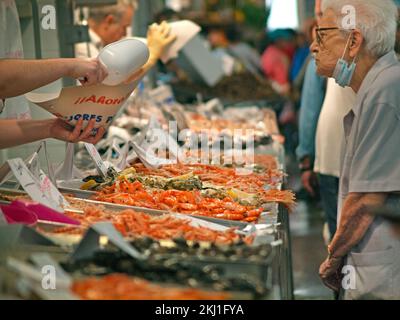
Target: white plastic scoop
122	59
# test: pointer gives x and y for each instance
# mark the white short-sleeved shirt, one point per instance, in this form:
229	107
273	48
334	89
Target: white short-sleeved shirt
371	161
371	164
89	49
330	133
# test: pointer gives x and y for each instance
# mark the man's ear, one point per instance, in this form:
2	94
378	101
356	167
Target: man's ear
109	19
356	43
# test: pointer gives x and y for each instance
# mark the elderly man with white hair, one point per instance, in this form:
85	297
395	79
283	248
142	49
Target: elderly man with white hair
355	46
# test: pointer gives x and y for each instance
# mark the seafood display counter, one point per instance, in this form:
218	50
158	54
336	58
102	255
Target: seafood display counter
174	231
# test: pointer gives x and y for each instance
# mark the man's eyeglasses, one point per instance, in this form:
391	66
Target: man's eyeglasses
319	36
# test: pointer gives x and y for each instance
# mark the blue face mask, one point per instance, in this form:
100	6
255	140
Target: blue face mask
344	72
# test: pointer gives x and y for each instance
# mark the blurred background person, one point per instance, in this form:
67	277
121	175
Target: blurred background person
329	142
301	54
218	41
277	59
107	24
302	58
110	23
322	137
227	40
242	51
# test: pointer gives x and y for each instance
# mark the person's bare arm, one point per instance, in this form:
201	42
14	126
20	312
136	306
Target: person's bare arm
18	132
354	223
21	76
14	132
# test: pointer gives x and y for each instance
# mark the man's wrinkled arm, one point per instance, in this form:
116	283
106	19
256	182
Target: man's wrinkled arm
355	220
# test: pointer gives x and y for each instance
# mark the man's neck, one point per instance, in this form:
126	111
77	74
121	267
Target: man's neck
96	32
364	65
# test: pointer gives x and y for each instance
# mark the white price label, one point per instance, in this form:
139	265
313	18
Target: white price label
30	184
98	161
50	190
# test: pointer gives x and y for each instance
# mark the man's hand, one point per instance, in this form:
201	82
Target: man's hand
309	180
329	272
89	72
61	130
159	37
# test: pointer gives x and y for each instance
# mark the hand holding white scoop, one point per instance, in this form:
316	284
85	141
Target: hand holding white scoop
123	58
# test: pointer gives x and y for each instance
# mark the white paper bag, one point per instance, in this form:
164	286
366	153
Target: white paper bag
99	102
184	31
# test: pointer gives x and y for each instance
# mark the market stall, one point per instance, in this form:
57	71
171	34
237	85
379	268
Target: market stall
210	227
183	198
